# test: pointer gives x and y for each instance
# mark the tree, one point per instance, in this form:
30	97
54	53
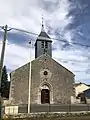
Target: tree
4	83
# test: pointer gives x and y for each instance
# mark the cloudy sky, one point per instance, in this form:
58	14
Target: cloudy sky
67	21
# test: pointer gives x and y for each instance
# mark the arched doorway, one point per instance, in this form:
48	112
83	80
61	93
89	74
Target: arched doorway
45	93
45	96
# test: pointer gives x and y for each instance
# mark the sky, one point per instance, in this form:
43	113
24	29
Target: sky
64	20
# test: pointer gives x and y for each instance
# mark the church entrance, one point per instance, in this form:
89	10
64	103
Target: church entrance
45	96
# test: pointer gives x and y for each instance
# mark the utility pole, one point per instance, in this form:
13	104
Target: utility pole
1	63
3	52
29	87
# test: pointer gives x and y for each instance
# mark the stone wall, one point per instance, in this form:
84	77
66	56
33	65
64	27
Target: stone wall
19	85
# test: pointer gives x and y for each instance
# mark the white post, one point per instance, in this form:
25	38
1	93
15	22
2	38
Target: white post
29	81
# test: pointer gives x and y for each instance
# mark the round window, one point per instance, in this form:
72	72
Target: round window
45	73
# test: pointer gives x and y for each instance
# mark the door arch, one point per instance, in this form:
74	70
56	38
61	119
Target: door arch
49	91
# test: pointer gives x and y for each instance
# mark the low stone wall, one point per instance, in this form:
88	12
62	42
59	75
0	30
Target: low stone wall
55	108
88	101
36	108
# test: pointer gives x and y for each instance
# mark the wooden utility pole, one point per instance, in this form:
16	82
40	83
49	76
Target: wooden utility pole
3	52
1	63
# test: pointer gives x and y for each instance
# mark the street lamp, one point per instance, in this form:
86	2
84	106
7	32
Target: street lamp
29	87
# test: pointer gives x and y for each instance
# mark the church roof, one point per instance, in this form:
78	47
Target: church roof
43	35
77	84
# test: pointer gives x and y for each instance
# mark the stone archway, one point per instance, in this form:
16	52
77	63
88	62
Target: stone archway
45	93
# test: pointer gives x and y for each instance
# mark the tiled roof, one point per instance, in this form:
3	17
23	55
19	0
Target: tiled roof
76	84
44	34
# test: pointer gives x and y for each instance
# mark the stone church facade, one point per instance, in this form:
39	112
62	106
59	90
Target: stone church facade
51	83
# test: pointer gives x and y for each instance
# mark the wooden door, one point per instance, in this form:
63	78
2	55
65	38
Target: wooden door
45	97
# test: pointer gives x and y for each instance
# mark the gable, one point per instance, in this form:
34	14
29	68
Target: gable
43	57
46	56
80	88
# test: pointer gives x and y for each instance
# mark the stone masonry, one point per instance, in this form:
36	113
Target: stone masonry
59	81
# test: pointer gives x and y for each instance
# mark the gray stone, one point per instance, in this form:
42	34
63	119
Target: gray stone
59	80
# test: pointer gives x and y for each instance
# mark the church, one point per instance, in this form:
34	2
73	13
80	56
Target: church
42	81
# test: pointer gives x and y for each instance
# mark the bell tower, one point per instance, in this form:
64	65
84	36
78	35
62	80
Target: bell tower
43	44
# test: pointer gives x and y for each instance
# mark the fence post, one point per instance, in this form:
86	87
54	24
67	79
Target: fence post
69	107
87	107
49	107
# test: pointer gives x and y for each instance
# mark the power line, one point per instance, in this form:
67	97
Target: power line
23	31
61	40
68	60
7	44
73	60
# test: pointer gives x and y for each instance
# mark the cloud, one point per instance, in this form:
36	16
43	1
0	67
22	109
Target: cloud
27	14
75	60
16	56
63	20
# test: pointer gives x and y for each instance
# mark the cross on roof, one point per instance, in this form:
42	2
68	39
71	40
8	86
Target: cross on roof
42	24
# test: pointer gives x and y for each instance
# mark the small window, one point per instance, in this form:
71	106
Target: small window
46	44
42	44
